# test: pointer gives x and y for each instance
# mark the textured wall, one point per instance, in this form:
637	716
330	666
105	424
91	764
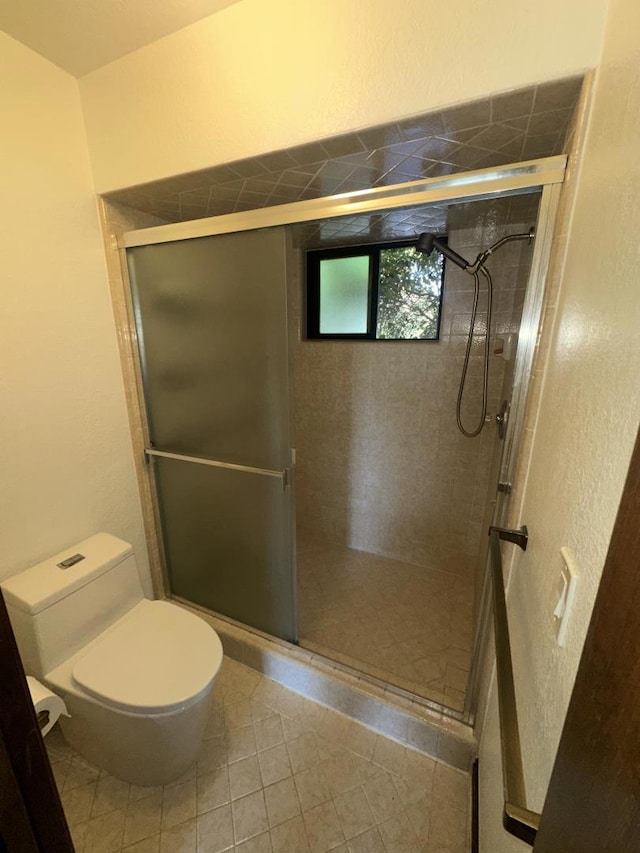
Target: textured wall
381	464
67	466
259	76
589	410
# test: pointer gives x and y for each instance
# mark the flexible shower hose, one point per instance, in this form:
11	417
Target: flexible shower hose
487	338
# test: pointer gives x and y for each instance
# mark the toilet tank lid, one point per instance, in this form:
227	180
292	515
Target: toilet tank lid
37	588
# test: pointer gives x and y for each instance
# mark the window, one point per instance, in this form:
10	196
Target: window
386	291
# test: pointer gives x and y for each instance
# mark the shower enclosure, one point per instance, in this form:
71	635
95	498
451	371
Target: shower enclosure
391	497
217	311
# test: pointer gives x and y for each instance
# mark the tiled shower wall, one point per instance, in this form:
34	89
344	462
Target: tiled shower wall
381	465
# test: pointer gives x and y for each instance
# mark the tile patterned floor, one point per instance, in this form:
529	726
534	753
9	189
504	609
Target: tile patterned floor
404	624
276	774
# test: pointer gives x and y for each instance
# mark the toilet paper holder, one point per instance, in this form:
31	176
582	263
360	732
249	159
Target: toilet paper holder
43	719
47	705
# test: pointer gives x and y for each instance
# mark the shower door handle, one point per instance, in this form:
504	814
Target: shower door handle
283	474
502	419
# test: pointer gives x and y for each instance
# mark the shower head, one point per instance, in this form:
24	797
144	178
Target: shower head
428	242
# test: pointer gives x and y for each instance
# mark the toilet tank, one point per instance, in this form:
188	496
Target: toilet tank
61	604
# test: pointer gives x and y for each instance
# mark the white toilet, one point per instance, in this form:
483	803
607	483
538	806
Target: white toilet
136	675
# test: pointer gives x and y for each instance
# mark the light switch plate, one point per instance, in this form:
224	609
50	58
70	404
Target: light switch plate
567	582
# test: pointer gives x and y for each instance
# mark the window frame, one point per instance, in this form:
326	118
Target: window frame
312	292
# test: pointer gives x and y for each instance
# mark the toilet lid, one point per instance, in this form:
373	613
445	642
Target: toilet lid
156	659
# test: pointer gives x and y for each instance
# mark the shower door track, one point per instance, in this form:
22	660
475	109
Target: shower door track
544	175
514	179
523	366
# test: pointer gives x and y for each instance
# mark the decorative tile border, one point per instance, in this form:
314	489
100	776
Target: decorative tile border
507	127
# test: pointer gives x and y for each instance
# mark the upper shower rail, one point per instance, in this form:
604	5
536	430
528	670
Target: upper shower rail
511	179
517	819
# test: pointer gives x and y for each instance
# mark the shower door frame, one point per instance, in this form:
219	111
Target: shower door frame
525	354
544	175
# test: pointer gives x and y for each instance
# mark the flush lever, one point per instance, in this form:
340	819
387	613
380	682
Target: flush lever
70	561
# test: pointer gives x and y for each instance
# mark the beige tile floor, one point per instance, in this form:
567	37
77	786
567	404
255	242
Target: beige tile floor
277	773
404	624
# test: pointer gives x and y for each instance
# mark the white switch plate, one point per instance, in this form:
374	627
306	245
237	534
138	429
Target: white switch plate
567	583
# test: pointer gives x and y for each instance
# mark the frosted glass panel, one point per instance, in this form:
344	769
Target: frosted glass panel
227	542
211	317
344	295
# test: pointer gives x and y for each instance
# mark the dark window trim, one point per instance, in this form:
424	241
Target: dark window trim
312	292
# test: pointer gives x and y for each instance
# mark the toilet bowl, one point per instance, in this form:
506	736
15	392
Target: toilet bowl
136	675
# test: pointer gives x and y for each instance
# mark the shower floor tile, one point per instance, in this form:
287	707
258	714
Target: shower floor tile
404	624
335	799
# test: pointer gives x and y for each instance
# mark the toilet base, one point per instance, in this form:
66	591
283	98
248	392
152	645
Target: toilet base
143	750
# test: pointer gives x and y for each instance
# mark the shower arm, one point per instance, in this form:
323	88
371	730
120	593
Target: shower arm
426	244
483	257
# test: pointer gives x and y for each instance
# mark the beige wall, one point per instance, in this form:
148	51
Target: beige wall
381	465
67	466
260	76
587	420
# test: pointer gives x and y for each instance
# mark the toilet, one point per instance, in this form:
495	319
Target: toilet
136	675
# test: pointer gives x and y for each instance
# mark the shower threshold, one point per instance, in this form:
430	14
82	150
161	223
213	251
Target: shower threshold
416	722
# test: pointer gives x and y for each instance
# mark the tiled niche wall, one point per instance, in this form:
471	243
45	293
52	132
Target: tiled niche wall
381	466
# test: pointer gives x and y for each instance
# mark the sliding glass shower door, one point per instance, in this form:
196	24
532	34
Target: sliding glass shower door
211	316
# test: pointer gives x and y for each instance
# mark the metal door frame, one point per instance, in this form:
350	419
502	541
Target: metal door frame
525	354
513	179
545	175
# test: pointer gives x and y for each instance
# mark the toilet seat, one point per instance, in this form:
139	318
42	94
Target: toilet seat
157	659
